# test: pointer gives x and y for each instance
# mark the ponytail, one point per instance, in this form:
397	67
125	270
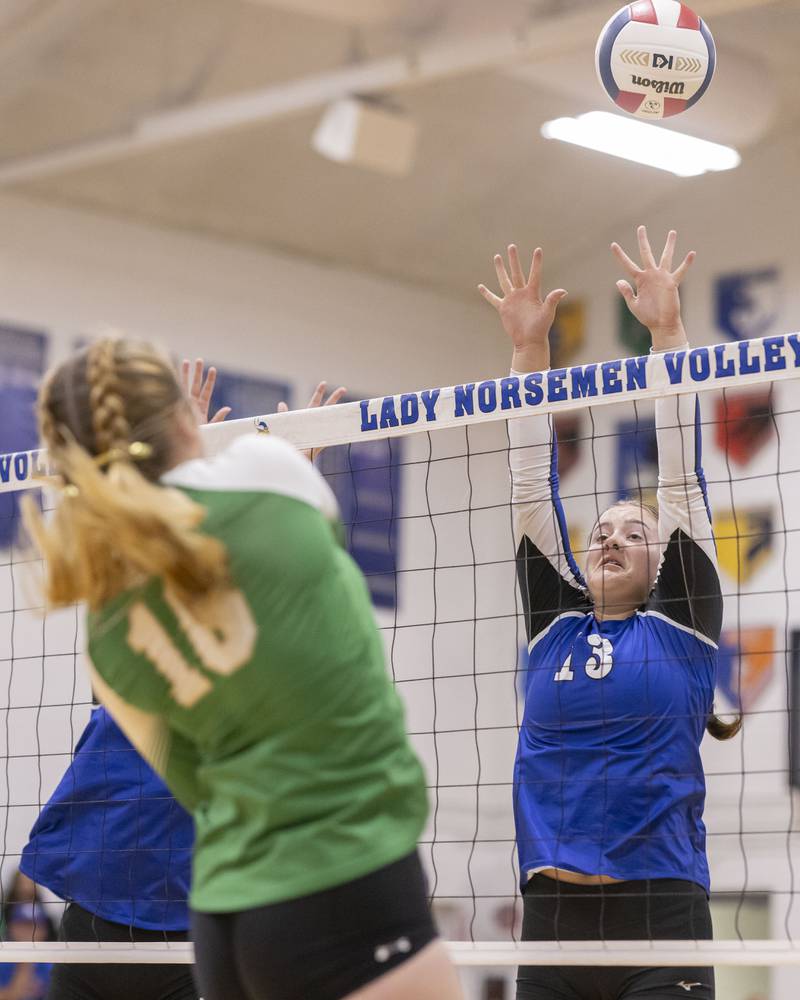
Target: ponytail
723	730
106	416
112	530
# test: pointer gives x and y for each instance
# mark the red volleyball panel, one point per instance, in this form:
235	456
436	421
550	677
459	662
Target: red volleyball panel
672	106
643	10
688	18
629	102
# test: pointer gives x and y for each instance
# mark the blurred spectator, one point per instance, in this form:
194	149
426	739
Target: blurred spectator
24	890
24	921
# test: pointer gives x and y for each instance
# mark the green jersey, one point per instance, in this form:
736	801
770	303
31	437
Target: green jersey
268	709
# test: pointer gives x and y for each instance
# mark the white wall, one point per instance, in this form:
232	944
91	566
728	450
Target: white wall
73	273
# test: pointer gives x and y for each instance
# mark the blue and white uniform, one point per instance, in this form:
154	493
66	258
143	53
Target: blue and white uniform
112	838
608	777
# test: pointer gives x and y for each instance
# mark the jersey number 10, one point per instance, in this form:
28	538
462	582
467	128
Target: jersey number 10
222	642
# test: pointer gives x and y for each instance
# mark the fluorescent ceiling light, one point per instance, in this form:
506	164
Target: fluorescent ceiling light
643	143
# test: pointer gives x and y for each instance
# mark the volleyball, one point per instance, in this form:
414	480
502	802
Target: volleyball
655	58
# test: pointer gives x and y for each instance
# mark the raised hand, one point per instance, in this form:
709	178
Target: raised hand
525	315
656	301
317	400
198	390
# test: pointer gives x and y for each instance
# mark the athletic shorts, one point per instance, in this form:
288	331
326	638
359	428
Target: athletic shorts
318	947
117	982
666	909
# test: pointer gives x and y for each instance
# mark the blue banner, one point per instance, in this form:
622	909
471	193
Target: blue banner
747	304
637	459
22	362
367	482
248	395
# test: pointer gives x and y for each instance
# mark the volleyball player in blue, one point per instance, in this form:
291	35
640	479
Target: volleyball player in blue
608	785
113	842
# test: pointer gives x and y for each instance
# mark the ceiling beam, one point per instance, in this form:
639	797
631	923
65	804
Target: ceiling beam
451	57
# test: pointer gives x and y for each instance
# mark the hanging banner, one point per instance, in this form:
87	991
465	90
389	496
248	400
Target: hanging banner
248	394
744	422
22	363
745	664
744	540
367	482
747	304
567	333
637	459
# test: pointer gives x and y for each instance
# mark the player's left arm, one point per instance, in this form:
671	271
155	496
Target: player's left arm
687	588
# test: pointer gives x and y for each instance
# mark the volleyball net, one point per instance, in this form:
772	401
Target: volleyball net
424	488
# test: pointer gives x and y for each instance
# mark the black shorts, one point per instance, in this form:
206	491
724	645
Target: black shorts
117	982
319	947
666	909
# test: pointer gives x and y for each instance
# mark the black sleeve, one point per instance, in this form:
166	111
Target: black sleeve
545	593
687	590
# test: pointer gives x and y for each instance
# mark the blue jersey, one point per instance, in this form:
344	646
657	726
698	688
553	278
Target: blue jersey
112	838
608	775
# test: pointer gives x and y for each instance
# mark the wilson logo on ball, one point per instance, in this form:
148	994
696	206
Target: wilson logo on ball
665	37
658	86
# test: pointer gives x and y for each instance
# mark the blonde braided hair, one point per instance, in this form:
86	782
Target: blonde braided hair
48	431
118	526
109	422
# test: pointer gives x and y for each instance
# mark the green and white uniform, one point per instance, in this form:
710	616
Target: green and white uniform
270	714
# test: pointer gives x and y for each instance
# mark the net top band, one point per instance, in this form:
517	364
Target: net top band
695	369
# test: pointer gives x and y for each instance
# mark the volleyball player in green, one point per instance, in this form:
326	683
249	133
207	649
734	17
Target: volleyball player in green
232	638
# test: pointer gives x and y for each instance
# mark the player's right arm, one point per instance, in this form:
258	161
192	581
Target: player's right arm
550	581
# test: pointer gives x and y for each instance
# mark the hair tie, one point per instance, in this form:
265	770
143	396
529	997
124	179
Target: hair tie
139	451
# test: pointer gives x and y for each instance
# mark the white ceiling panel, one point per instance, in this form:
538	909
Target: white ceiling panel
482	174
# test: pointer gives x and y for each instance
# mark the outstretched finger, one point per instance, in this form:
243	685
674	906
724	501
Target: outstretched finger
516	270
627	264
669	250
317	395
535	273
185	364
220	415
554	297
335	396
644	247
197	378
626	291
491	298
502	274
204	396
688	260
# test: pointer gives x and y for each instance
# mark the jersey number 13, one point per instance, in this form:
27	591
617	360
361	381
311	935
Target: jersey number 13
597	666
